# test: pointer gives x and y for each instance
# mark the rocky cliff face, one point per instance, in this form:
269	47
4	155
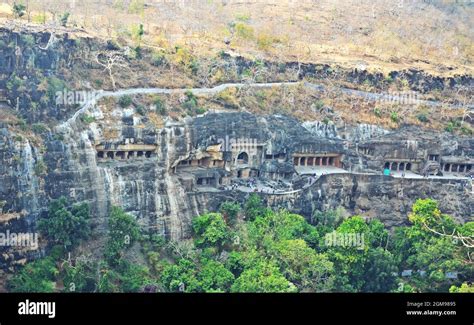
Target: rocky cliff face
119	157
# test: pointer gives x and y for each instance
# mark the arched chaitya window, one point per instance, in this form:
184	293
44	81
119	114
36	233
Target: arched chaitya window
243	158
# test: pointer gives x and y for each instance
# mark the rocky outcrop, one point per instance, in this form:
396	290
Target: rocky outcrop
106	159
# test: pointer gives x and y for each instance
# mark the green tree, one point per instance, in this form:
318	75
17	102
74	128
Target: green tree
123	232
64	19
214	277
210	230
132	277
37	276
464	288
263	276
379	271
304	267
181	276
80	276
64	225
18	10
356	264
125	101
254	207
230	211
429	246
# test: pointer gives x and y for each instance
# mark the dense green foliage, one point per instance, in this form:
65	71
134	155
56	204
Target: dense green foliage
65	225
125	101
210	230
123	231
254	249
230	211
37	276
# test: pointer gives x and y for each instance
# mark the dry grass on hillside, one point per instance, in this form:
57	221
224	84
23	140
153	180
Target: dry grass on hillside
436	37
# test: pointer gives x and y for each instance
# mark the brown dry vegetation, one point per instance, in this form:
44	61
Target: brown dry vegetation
434	36
305	105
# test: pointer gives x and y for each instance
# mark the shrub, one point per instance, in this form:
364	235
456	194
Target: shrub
194	66
19	10
158	59
265	41
37	276
15	83
191	103
160	107
243	17
244	31
64	18
39	128
40	168
64	225
125	101
80	277
377	112
140	110
39	18
394	117
88	119
54	86
318	105
422	117
200	110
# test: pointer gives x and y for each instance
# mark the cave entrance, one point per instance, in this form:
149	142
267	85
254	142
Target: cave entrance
110	154
401	167
243	158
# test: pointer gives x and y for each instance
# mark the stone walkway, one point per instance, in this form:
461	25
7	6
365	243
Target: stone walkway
202	91
412	175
